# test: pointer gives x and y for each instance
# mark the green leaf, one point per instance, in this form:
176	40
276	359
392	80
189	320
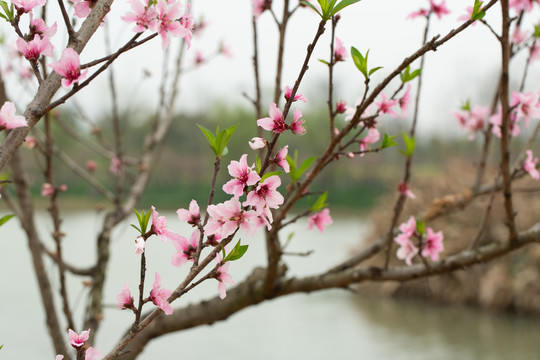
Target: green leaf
410	144
1	346
136	228
374	69
388	141
324	62
296	172
8	12
341	6
536	31
6	218
210	137
407	76
320	203
236	253
360	61
466	106
421	227
311	6
258	163
477	13
222	139
272	173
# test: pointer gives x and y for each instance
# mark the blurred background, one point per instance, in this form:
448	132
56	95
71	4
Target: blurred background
330	324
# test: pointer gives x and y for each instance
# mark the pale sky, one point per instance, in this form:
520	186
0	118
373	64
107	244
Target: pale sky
454	73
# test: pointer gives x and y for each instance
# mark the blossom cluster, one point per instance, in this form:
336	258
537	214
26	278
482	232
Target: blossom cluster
167	18
431	242
78	341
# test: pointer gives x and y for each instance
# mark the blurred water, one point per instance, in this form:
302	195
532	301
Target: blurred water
325	325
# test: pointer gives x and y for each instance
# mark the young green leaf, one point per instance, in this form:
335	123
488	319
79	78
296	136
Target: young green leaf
5	219
210	137
410	144
388	141
421	227
341	6
374	69
407	76
136	228
360	61
236	253
320	203
308	4
477	13
321	60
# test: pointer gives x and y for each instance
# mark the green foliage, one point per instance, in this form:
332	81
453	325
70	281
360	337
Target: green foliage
410	144
143	219
296	172
320	203
236	253
421	227
388	141
5	218
9	13
329	7
536	31
361	62
477	13
218	142
466	106
407	75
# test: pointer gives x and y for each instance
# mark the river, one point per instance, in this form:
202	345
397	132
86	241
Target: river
326	325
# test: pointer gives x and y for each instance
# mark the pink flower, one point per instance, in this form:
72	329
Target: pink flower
275	122
372	137
320	220
8	119
297	127
159	225
115	165
439	9
69	67
226	217
169	12
199	58
519	36
467	15
124	300
287	92
521	5
33	49
78	340
433	244
223	277
28	5
91	354
406	250
59	357
281	159
159	296
340	53
193	216
409	228
257	143
91	165
47	190
139	245
385	106
404	189
530	165
243	175
420	12
30	142
527	106
83	7
186	249
143	15
259	6
341	107
266	194
404	101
